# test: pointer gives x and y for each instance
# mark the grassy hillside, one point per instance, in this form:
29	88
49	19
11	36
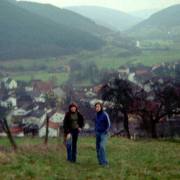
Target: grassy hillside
164	24
48	68
114	19
64	17
165	18
143	159
24	34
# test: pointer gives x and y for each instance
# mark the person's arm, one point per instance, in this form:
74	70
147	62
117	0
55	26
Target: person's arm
80	122
65	124
108	122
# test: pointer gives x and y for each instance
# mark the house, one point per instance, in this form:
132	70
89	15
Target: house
14	129
41	98
35	117
90	94
8	101
9	83
28	88
57	117
142	72
11	101
98	88
131	77
20	112
138	45
17	131
123	72
36	96
55	122
94	101
43	87
155	67
86	126
142	76
4	104
24	100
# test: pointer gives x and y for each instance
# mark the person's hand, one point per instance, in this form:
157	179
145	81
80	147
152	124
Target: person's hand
79	129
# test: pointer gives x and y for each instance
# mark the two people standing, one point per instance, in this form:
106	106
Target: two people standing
74	122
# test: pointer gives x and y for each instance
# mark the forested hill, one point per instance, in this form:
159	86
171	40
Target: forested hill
64	17
164	18
24	34
110	18
163	24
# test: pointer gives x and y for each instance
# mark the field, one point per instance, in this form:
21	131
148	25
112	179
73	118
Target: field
141	159
107	58
60	78
41	69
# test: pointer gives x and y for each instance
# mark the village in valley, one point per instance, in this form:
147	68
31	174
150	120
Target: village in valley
26	105
89	90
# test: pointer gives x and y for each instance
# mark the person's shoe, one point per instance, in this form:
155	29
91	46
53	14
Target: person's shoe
106	165
73	161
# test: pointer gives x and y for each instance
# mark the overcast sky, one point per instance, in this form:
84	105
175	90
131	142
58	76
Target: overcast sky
124	5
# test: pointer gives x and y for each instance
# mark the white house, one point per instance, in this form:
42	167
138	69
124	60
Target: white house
28	88
123	72
4	104
10	83
94	101
41	98
35	118
12	101
55	122
131	77
87	126
20	112
57	117
138	45
90	94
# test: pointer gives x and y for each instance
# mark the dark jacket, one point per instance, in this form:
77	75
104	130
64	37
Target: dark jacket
102	122
67	121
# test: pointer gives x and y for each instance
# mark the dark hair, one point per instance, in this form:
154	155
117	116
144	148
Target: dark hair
99	103
73	105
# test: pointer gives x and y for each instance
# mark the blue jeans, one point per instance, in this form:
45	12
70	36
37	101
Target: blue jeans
101	141
71	145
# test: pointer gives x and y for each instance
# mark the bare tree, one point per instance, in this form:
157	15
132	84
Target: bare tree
121	94
8	132
161	102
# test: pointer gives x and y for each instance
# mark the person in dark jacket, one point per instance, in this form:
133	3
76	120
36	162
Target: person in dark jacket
102	125
72	125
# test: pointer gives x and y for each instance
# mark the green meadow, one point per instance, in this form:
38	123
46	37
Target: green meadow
128	159
106	58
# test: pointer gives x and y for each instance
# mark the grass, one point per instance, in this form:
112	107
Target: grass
108	58
143	159
60	78
148	58
32	63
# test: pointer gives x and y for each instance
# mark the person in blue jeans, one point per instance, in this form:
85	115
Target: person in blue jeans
102	125
72	124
